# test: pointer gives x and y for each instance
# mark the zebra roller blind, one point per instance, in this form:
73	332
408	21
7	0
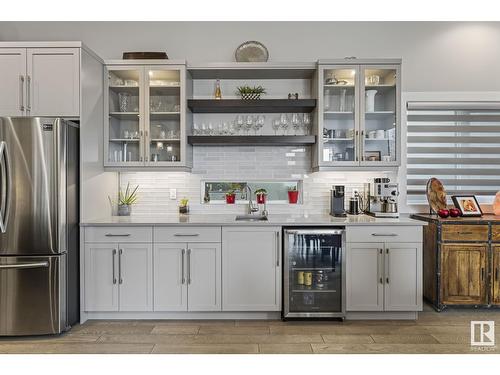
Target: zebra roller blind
457	142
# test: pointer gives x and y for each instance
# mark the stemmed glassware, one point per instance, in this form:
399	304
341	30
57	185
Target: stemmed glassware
276	124
306	121
248	124
295	122
261	120
284	123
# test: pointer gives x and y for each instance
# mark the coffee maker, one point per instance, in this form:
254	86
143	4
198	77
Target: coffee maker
337	201
383	199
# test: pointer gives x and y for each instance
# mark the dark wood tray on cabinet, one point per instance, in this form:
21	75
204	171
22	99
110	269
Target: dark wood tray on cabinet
251	106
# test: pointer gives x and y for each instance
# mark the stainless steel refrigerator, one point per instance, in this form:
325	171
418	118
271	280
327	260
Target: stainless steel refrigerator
39	234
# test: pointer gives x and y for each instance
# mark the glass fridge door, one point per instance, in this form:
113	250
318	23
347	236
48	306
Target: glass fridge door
315	271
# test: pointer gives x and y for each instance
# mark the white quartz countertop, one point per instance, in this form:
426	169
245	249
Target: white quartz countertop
229	219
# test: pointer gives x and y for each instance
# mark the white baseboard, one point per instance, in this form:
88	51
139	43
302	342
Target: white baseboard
183	315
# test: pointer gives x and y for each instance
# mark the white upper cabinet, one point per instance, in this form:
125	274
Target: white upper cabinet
251	269
53	81
145	115
40	82
12	76
359	114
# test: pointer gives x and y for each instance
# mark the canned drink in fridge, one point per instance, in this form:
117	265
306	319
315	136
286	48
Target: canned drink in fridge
308	278
300	278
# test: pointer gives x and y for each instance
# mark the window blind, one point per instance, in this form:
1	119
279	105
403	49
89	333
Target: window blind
457	142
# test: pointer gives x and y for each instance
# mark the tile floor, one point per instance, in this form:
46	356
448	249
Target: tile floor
446	332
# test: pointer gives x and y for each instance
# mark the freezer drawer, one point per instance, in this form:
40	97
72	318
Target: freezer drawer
32	295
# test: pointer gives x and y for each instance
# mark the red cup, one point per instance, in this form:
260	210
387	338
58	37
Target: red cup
261	198
293	196
230	199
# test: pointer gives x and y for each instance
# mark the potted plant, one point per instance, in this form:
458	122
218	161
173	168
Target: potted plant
250	93
184	206
293	195
261	196
125	200
230	197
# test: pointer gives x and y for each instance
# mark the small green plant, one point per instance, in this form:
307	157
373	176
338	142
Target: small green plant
184	202
261	191
230	192
128	197
251	90
292	188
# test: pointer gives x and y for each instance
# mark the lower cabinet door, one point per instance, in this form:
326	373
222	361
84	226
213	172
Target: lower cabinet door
463	274
204	276
364	277
495	293
170	283
251	269
403	277
101	277
135	265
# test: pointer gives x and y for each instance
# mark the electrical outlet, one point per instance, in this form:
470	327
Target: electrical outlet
173	193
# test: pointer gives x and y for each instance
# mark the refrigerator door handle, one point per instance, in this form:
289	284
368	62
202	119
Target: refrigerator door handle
24	265
5	186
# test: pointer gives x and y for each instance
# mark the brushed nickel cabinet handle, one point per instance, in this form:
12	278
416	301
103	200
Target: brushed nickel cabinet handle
21	93
277	249
117	235
387	268
120	280
379	266
186	234
113	266
384	234
189	266
28	93
183	280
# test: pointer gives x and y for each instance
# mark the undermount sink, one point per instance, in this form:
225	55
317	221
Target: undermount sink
251	218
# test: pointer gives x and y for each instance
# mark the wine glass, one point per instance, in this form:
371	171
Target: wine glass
295	122
210	129
276	125
248	124
261	120
306	120
196	129
284	123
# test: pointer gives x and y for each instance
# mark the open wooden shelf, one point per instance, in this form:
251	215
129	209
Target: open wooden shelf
252	106
252	140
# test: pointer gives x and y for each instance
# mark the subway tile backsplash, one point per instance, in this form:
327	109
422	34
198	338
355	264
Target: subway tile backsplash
242	163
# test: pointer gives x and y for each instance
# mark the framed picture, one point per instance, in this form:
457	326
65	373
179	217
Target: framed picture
372	155
467	204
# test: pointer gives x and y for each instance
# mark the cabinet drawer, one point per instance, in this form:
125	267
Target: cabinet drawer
385	233
495	233
454	232
187	234
119	234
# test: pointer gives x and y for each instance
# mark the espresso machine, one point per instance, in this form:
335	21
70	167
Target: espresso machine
383	199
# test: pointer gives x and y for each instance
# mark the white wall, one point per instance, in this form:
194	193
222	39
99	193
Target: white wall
437	56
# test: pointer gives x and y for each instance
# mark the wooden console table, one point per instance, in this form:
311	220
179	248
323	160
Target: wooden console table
461	261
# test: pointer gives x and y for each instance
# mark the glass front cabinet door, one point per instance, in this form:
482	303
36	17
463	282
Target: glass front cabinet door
145	124
359	114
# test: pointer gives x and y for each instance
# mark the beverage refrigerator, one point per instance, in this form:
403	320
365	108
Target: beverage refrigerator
314	277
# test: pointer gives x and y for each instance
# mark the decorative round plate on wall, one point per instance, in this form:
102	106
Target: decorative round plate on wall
251	51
